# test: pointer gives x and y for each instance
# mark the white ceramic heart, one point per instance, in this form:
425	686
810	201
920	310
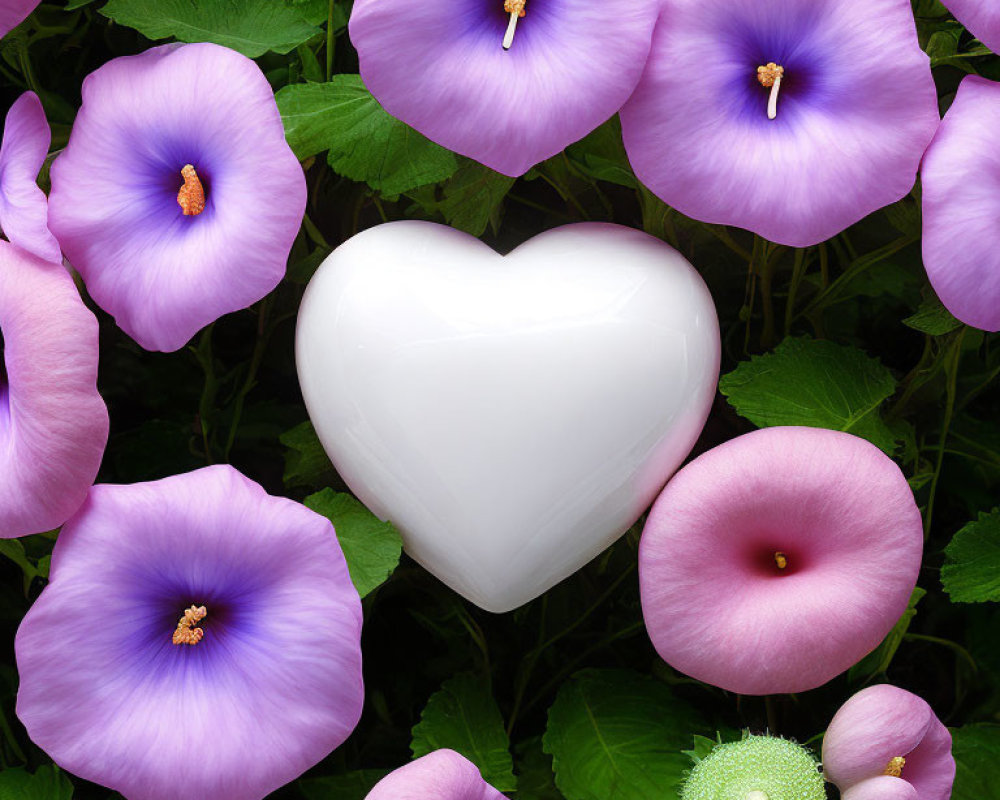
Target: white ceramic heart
511	415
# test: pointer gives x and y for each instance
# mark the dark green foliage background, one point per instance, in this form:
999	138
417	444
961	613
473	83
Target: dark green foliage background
565	692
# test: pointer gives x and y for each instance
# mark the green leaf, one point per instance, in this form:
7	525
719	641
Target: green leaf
250	26
306	462
702	747
48	783
977	750
619	735
72	5
14	550
535	780
463	716
971	572
364	142
878	661
371	547
350	786
932	318
470	201
601	154
814	383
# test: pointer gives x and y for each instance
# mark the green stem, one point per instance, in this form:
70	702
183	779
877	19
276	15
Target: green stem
11	739
263	336
330	44
951	370
798	273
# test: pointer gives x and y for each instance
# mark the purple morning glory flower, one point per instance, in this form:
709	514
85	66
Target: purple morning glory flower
13	13
53	422
961	200
23	207
199	638
981	17
441	775
850	90
177	198
446	70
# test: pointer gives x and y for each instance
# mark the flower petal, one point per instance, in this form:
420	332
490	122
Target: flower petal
114	205
961	205
931	767
23	207
274	686
442	775
442	70
717	605
883	788
856	110
874	726
982	18
53	422
13	13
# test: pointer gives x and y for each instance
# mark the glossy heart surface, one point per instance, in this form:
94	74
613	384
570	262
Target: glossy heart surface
511	415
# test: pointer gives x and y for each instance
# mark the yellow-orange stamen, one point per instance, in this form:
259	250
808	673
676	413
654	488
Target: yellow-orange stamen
895	767
516	10
770	76
186	632
191	197
780	560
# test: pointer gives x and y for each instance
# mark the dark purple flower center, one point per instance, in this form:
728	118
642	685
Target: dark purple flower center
775	561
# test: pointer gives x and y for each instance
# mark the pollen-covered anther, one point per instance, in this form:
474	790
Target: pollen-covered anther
516	10
186	632
780	560
895	767
191	197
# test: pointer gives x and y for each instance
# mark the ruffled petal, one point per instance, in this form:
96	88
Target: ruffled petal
715	602
13	13
442	70
53	422
857	108
930	767
961	205
981	17
114	204
273	687
23	207
442	775
874	726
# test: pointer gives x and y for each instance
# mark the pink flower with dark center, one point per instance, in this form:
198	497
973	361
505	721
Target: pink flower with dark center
53	422
177	198
441	775
960	175
23	207
13	13
981	17
199	638
777	560
887	744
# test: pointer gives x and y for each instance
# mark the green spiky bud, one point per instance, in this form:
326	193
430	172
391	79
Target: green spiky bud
757	768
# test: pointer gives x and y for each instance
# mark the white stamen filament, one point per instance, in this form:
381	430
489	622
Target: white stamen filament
772	113
508	38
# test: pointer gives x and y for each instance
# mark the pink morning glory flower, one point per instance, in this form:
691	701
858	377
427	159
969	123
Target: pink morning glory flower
777	560
442	775
177	198
791	118
887	744
13	13
981	17
506	82
199	638
961	200
23	208
53	422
